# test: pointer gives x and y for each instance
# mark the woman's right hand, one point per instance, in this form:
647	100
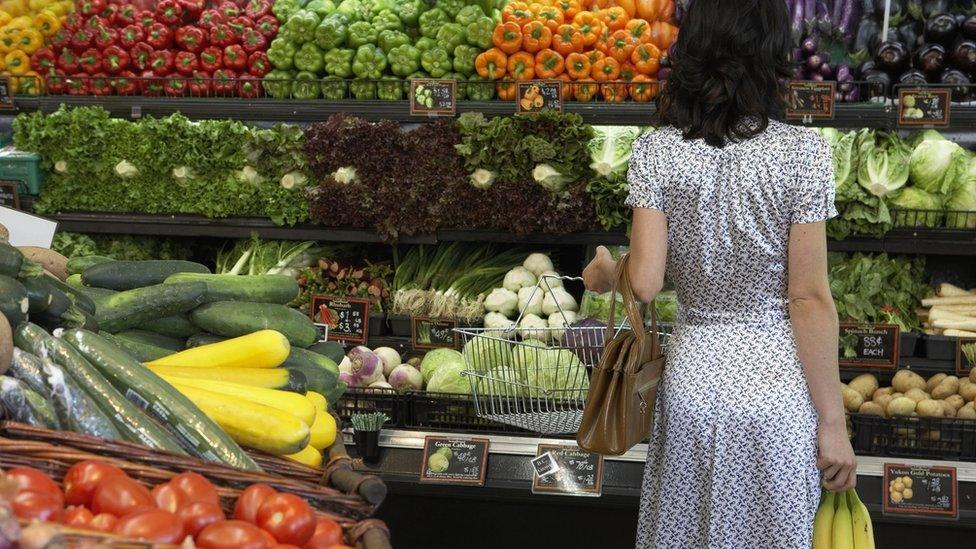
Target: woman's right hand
835	459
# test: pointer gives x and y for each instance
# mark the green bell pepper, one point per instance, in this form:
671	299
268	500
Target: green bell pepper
436	61
361	33
386	20
480	89
464	56
424	43
355	10
277	84
331	32
479	32
302	25
305	86
283	9
322	8
450	7
419	75
390	39
369	62
467	15
431	21
389	89
450	36
404	59
338	62
333	88
363	89
408	11
460	79
281	53
309	58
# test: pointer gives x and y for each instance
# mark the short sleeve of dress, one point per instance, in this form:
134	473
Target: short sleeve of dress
644	177
814	198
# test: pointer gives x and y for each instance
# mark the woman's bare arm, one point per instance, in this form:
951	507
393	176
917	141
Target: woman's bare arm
648	256
814	319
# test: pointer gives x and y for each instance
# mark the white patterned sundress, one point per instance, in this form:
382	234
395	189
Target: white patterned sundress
732	460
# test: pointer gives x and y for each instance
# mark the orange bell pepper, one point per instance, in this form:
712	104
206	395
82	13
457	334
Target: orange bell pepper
594	56
585	91
569	7
549	64
566	90
614	93
491	64
620	46
614	18
535	36
646	59
517	12
567	40
507	37
627	71
521	66
655	10
578	66
663	35
551	17
597	5
589	25
643	88
629	6
506	90
605	69
639	30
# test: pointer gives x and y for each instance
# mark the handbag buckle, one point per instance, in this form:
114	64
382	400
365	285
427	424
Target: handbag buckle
643	403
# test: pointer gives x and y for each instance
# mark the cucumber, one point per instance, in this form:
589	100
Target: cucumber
171	344
38	294
23	404
79	298
14	264
172	326
321	373
74	281
128	275
133	308
202	338
97	295
199	434
140	351
77	265
14	302
232	319
74	408
330	349
279	289
29	369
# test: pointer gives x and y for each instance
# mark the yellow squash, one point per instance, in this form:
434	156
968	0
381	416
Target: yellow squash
307	456
322	433
261	349
291	403
318	399
268	378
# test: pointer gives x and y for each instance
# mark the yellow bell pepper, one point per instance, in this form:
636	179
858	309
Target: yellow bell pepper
14	7
38	5
5	18
30	83
3	67
47	23
13	84
17	62
21	22
30	41
62	8
9	38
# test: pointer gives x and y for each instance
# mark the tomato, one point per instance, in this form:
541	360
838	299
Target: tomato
285	546
169	498
121	496
233	534
77	516
153	525
83	477
339	546
327	533
30	479
288	518
269	538
196	488
198	515
250	501
43	506
104	522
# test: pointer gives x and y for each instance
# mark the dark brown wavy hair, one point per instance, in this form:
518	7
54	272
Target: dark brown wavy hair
730	64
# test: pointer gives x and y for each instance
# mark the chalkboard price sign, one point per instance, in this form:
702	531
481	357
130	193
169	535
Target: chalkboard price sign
539	95
809	100
920	490
454	460
8	194
869	345
567	471
6	97
965	355
433	97
346	318
433	333
923	107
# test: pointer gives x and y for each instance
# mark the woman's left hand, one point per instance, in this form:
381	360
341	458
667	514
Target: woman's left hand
598	275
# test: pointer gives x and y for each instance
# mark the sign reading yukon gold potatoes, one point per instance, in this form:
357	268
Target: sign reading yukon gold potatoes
930	491
454	460
868	345
808	100
965	355
923	107
539	95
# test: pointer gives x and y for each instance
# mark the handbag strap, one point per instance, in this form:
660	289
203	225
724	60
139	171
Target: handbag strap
622	284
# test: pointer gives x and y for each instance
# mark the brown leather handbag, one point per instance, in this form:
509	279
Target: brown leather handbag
619	411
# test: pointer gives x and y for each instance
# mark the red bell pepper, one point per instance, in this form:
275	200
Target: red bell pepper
256	9
191	38
61	39
105	37
55	82
141	56
211	59
235	57
124	16
267	26
200	84
81	40
224	82
90	7
159	36
253	41
193	8
145	19
175	87
90	61
185	62
258	64
161	62
210	18
68	61
115	59
130	36
125	83
78	84
248	86
43	60
243	22
169	12
109	12
229	9
237	29
221	35
94	23
150	84
100	84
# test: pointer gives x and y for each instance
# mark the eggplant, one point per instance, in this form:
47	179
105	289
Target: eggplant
849	12
961	84
867	35
968	27
879	82
930	59
814	61
910	34
809	45
941	28
892	57
868	65
663	73
853	96
826	71
931	8
913	78
963	56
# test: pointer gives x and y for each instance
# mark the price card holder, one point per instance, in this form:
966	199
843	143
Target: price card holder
929	107
965	355
433	97
454	460
539	95
433	333
6	96
869	345
342	318
567	471
809	100
8	194
928	491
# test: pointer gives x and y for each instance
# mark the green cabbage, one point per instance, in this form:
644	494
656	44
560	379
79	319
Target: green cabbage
526	352
485	353
448	379
437	359
503	381
963	199
912	198
935	165
611	147
561	376
883	164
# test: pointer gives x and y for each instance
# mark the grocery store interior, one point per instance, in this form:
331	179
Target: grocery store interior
307	273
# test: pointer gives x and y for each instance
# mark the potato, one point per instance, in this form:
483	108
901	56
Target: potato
883	391
907	493
897	486
905	380
872	408
948	410
948	387
901	406
866	384
897	394
917	395
929	408
972	375
883	400
966	412
852	399
968	391
957	401
934	381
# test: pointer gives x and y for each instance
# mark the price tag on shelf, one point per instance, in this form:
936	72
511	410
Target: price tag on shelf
567	471
8	194
965	355
433	97
26	229
6	96
929	491
342	318
454	460
927	107
539	95
869	345
809	100
433	333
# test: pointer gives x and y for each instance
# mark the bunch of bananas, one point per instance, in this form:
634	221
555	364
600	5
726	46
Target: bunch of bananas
842	522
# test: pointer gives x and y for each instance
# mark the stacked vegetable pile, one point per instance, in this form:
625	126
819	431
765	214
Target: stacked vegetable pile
951	312
827	32
25	28
534	293
610	152
876	288
378	43
910	394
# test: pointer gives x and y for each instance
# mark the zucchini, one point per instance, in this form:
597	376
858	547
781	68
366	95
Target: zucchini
133	308
152	338
140	351
290	403
14	264
331	349
202	338
232	319
279	289
281	379
172	326
29	369
14	302
79	298
38	294
74	281
200	436
261	349
21	403
77	265
321	373
249	423
128	275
